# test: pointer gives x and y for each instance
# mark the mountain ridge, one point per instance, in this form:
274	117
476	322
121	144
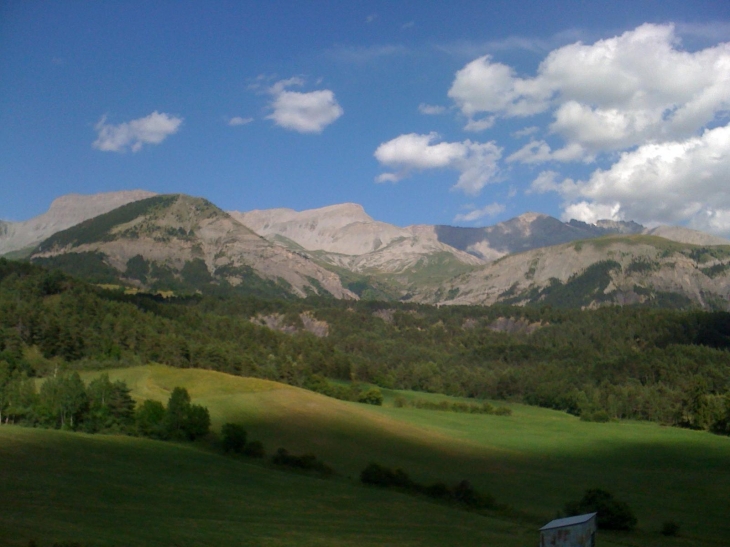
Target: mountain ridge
174	240
183	243
64	212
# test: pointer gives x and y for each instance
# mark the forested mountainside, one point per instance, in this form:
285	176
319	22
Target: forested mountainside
615	362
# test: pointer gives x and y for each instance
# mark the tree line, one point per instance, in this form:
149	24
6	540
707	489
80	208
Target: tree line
65	402
668	366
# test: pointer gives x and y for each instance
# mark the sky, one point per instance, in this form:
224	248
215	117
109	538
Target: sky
464	112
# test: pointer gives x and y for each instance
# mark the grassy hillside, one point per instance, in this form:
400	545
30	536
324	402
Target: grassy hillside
534	460
121	491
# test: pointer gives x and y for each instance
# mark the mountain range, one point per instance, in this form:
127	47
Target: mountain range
182	244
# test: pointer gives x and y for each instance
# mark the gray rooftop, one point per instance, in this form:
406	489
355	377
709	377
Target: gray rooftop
569	521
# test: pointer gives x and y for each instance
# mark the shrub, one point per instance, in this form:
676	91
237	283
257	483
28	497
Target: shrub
438	490
372	396
612	513
465	494
305	462
600	416
254	449
670	528
377	475
234	438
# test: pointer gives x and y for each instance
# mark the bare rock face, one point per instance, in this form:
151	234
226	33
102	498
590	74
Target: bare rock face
344	229
64	212
345	236
308	323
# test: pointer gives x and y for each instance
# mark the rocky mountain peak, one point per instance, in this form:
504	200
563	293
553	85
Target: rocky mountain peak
65	211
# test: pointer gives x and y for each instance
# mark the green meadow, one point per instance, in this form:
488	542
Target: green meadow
114	490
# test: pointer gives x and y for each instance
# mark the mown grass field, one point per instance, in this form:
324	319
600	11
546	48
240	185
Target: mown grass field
125	491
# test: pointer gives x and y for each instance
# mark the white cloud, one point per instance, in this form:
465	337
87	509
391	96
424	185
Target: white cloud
486	87
609	95
303	112
372	17
238	120
409	24
479	125
526	132
540	152
475	162
490	210
431	110
676	182
547	181
152	129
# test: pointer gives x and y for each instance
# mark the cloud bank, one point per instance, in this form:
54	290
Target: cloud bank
152	129
658	114
613	94
302	112
668	183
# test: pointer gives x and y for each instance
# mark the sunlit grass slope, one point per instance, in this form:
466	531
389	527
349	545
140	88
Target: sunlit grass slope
534	460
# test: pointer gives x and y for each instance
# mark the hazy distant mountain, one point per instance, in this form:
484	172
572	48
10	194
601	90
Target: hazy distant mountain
525	232
177	242
64	212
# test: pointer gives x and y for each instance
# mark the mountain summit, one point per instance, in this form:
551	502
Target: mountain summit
65	211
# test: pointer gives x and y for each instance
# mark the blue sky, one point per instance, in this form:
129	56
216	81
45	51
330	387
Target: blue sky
464	113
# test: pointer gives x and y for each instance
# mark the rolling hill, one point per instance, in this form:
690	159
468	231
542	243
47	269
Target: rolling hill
66	485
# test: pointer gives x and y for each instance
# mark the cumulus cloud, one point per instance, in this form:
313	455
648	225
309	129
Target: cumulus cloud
431	110
475	162
238	120
490	210
547	181
609	95
674	182
303	112
152	129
